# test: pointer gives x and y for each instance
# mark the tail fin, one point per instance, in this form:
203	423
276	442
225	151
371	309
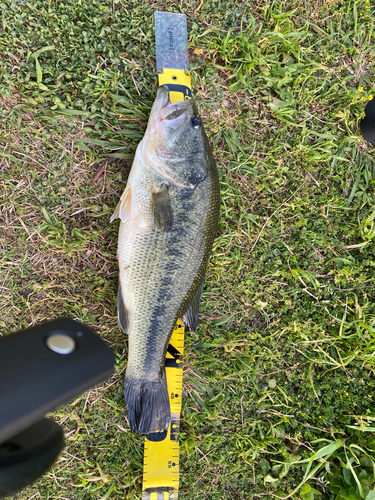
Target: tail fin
148	405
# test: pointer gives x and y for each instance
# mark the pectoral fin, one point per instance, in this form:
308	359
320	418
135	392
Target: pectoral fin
161	207
191	316
123	207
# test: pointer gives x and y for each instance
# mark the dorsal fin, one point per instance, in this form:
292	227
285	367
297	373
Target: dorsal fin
191	316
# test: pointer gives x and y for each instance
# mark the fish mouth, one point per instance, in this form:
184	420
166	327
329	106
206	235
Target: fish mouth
164	117
167	110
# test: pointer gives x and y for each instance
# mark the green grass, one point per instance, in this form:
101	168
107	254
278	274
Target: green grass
282	365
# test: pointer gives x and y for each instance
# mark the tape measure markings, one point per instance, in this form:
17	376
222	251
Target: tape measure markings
161	466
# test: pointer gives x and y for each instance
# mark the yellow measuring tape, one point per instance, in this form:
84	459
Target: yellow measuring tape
161	465
178	82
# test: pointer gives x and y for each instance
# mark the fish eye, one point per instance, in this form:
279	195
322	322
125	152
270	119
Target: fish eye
196	122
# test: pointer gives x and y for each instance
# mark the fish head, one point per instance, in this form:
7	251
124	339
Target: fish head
175	142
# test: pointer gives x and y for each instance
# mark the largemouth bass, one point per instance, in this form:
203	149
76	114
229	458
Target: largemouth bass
169	214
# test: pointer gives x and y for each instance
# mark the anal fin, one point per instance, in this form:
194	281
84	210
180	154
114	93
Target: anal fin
191	316
122	313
